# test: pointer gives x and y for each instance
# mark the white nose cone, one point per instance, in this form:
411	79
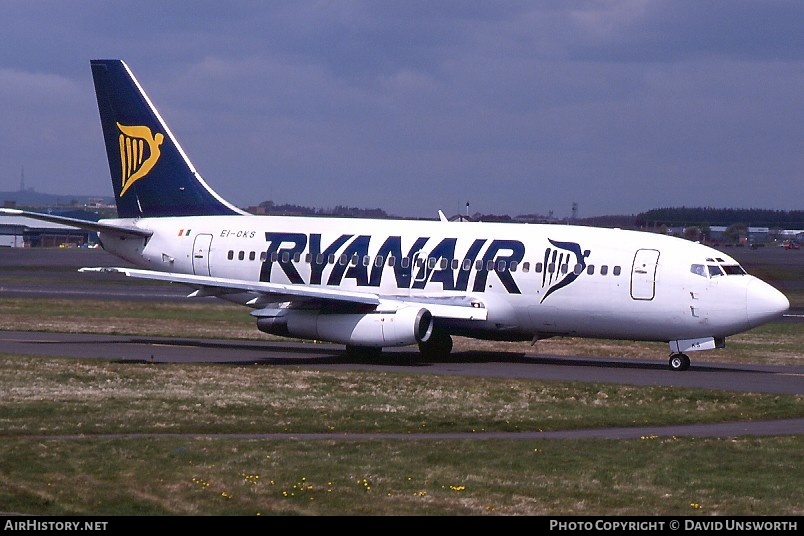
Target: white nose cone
764	303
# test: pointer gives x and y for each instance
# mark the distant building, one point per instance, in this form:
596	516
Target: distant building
753	235
11	234
19	231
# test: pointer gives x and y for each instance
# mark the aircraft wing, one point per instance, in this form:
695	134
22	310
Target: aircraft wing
97	227
452	307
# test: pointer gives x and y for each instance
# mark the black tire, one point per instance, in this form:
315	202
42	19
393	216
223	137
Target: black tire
679	362
437	347
363	352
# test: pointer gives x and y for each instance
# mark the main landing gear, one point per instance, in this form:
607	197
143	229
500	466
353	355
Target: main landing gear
437	347
679	362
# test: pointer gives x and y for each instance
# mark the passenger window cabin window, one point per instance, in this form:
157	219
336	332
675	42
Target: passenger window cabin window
343	259
263	256
241	255
455	264
551	268
296	257
252	256
513	266
479	264
490	265
308	258
286	256
405	262
617	270
577	269
604	270
378	261
230	255
391	261
538	268
331	258
274	256
564	268
366	260
525	267
590	269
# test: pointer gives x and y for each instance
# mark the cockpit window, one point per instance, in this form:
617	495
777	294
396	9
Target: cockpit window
733	269
714	270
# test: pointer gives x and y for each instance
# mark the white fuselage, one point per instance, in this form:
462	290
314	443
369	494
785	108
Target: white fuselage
535	280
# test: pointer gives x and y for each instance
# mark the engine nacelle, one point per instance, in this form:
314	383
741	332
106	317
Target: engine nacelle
401	328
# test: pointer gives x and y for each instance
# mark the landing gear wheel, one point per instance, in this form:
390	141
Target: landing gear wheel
679	362
361	353
437	347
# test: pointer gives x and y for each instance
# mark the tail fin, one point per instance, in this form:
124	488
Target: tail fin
151	175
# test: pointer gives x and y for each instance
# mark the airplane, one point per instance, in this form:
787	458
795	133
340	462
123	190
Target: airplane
371	284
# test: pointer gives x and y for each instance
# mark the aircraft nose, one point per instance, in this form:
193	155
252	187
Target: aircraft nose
764	303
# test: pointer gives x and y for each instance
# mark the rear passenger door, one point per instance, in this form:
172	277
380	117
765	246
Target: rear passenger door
201	246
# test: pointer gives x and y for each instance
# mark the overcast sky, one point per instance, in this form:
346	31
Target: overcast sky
415	106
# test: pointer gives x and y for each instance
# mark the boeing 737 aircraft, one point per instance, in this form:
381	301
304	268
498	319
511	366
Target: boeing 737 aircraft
371	284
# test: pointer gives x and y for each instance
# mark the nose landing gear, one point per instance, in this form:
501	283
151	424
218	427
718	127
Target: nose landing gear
679	362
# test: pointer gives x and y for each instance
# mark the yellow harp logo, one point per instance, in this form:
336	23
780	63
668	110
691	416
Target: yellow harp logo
139	151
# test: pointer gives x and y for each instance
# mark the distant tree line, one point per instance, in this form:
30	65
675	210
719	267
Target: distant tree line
707	216
700	217
287	209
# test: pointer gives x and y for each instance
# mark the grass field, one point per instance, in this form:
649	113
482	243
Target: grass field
105	438
94	437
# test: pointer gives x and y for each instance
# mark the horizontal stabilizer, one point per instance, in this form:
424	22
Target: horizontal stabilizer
98	227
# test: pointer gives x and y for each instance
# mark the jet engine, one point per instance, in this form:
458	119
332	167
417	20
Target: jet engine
409	325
